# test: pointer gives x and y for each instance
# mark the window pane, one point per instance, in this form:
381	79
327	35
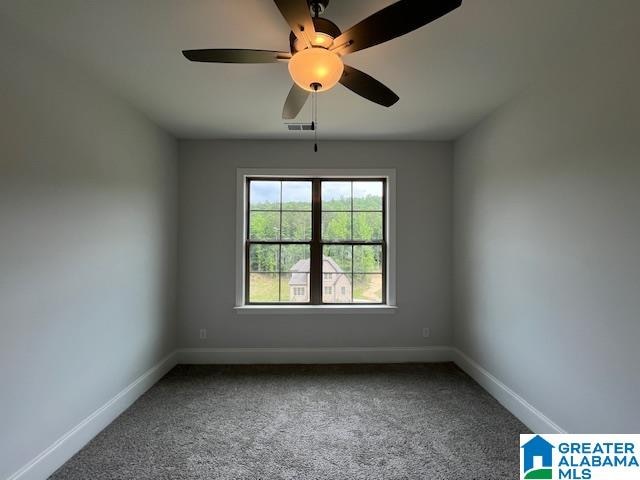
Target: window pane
367	195
367	259
294	287
296	195
264	195
336	195
295	258
367	226
336	274
296	226
264	258
339	255
263	287
264	225
336	226
336	288
367	288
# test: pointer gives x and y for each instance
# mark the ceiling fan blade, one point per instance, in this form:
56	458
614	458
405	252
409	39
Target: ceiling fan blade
295	101
393	21
296	13
367	87
235	55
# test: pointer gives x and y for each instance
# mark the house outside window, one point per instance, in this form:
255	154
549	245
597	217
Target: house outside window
313	240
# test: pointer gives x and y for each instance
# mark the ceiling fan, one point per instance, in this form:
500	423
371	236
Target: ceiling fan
317	46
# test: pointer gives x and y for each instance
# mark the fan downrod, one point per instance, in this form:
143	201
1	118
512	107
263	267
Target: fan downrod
317	7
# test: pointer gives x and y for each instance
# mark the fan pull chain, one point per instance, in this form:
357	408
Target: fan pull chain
314	113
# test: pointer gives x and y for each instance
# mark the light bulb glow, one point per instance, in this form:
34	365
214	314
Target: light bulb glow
320	39
316	65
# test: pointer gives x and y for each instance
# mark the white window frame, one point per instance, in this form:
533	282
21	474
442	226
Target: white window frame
241	197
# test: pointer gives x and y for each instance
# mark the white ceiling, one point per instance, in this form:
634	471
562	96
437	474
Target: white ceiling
449	74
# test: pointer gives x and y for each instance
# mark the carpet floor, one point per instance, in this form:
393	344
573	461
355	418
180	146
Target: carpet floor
409	421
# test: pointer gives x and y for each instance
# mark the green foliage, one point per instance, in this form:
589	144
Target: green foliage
341	254
276	258
367	226
369	202
264	225
367	259
292	254
296	206
336	226
296	226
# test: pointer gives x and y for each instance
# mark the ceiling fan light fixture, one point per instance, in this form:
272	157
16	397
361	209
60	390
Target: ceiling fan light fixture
316	66
322	40
319	39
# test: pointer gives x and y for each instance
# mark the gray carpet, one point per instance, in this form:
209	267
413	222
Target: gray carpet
412	421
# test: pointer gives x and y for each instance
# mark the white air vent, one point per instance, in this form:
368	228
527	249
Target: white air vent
299	126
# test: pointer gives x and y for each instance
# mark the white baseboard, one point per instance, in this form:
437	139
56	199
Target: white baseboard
518	406
71	442
314	355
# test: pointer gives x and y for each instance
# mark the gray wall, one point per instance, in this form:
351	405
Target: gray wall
547	241
207	191
87	248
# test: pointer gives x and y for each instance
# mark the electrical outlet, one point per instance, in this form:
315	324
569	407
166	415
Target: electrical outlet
426	332
203	333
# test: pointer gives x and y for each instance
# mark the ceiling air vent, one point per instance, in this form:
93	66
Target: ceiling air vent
299	126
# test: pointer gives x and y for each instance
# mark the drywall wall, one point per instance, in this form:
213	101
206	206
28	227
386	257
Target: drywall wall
87	248
207	225
547	238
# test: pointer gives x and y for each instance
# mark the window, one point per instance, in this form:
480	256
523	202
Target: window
315	241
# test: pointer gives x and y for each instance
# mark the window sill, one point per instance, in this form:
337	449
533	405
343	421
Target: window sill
316	309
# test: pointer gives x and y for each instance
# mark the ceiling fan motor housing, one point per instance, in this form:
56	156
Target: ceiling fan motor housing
321	25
